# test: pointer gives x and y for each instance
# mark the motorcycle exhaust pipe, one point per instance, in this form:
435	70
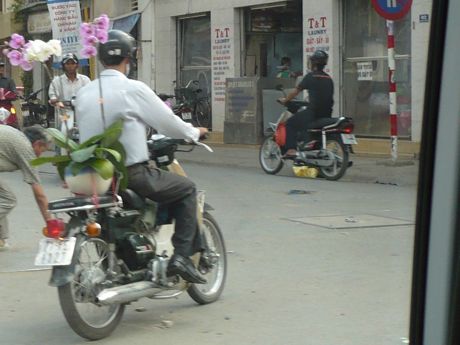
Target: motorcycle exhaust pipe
127	293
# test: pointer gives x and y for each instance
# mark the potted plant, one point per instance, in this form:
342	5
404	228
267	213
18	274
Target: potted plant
89	167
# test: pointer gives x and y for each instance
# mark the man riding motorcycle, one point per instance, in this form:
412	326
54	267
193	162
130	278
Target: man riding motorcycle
320	93
63	88
135	103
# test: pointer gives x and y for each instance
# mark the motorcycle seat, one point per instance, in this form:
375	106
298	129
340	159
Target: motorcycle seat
131	199
323	122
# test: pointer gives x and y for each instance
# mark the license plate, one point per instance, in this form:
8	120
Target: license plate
186	116
349	139
25	113
54	252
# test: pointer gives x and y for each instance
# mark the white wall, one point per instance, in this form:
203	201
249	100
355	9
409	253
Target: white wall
420	41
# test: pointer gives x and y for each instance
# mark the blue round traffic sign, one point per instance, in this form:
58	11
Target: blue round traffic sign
392	9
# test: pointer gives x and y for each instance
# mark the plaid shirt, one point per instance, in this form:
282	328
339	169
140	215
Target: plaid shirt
16	152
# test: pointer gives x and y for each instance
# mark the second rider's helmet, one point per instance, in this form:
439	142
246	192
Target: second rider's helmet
119	45
69	57
319	58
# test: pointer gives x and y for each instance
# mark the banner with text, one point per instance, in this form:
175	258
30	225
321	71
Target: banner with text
65	23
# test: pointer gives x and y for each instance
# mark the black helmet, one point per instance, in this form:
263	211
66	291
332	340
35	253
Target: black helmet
68	57
319	58
119	45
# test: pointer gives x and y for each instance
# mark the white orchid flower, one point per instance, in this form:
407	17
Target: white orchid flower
38	51
55	46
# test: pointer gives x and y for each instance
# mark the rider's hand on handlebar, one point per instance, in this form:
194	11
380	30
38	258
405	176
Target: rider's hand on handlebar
282	100
203	132
56	103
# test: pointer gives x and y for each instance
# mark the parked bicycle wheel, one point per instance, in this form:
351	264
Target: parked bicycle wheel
202	113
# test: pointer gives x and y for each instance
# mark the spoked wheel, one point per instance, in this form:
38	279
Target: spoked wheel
213	264
270	156
78	298
203	113
340	164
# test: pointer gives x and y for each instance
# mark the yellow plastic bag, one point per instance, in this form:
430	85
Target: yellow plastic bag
304	171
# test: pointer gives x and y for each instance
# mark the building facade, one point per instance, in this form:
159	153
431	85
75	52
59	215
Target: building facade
212	40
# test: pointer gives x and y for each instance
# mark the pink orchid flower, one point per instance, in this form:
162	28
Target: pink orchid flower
16	57
86	29
88	51
17	41
26	65
89	40
102	36
102	22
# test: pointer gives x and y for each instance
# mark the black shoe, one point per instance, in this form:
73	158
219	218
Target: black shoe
184	267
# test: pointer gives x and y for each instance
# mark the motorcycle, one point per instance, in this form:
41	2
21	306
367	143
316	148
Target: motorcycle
33	112
114	249
328	151
7	110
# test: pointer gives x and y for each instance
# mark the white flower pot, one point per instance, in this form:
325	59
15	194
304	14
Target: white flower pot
86	182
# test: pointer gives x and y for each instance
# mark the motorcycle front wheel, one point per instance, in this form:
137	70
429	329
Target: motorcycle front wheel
215	268
78	298
340	162
270	156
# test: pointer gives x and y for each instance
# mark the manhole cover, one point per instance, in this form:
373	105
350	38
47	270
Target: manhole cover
347	222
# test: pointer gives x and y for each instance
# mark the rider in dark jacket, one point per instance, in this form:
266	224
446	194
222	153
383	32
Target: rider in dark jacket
320	93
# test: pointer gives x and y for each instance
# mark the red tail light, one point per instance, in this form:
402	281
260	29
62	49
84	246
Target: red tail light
348	128
54	228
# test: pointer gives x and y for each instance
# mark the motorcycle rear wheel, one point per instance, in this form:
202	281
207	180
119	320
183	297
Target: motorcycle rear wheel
215	276
77	298
270	156
340	165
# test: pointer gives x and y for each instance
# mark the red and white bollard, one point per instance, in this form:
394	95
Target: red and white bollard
392	93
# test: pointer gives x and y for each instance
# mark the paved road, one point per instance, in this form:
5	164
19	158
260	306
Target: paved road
289	281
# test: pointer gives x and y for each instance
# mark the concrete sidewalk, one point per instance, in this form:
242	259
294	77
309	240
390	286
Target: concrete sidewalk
365	168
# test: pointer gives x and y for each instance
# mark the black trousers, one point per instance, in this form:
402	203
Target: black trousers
298	122
176	192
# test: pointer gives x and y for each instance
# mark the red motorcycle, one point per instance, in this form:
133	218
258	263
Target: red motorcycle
7	109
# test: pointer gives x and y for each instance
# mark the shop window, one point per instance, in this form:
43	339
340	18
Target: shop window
195	51
270	34
365	70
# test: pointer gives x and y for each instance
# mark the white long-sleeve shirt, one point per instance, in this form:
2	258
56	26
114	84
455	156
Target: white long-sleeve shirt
135	103
63	89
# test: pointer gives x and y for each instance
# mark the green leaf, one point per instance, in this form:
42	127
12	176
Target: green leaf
53	159
112	133
122	172
103	152
117	146
61	169
61	140
83	155
103	167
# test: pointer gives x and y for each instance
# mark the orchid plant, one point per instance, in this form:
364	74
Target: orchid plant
103	152
25	54
92	34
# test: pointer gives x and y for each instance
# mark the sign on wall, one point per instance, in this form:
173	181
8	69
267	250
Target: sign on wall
222	60
65	18
365	70
39	23
317	36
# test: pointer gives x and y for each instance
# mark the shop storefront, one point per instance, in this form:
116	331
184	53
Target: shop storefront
365	70
250	38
